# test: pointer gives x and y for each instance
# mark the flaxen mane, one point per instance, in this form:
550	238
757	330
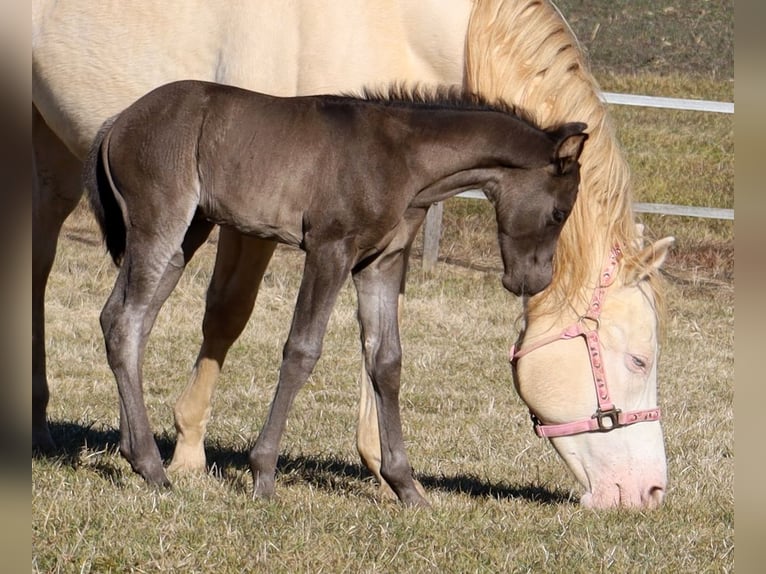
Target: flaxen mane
550	78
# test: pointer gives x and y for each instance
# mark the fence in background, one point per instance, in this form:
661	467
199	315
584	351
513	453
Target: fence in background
433	223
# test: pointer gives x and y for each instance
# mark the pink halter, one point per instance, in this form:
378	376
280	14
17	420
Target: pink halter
607	417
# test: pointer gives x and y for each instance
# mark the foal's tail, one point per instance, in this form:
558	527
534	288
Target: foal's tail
101	193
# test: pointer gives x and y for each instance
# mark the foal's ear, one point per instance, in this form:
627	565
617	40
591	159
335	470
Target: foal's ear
570	139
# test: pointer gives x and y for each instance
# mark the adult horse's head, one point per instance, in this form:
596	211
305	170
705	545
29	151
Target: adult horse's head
532	206
625	466
591	387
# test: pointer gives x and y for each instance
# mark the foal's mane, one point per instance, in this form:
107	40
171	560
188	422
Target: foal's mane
524	52
440	96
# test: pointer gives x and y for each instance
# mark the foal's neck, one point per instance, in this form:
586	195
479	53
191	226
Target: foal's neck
445	142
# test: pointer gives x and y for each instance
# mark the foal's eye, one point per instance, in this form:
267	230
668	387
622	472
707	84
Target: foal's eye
559	216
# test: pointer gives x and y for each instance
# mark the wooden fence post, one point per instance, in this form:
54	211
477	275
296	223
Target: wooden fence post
432	230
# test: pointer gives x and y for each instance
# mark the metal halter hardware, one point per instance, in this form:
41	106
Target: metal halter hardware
607	416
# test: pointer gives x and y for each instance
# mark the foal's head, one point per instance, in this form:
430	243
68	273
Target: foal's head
532	205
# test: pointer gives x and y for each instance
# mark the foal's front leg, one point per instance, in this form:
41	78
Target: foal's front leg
325	270
380	289
367	429
378	293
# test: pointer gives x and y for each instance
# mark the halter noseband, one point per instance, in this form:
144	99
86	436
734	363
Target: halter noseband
607	417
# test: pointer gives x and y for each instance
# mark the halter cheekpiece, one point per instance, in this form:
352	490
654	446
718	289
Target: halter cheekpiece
607	416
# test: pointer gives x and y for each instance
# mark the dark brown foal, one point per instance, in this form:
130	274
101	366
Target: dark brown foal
348	180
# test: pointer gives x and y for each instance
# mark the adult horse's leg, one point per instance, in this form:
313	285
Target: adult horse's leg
57	190
240	263
378	288
367	431
325	270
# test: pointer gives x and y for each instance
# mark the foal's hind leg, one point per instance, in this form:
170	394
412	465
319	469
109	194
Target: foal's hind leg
240	263
125	326
148	274
57	190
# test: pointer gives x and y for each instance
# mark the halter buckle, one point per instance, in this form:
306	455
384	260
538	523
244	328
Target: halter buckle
584	319
608	419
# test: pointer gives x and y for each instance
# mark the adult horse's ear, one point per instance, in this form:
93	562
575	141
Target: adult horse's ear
570	139
639	241
650	259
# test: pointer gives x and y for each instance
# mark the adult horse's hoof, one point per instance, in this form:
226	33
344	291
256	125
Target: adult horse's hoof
188	460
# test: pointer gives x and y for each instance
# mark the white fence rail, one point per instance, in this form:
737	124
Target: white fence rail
668	103
661	208
432	227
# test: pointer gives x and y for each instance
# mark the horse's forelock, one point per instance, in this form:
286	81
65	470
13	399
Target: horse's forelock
526	54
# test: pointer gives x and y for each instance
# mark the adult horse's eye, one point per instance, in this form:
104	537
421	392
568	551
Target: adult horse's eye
636	363
559	216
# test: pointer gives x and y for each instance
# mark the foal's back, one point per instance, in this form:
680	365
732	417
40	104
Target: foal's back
256	162
275	167
223	145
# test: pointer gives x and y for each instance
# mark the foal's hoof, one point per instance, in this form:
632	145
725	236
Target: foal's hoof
385	492
42	441
263	487
159	482
154	476
415	500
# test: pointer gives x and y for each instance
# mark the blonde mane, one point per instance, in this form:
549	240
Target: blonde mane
525	53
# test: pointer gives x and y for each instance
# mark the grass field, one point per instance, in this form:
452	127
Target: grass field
502	500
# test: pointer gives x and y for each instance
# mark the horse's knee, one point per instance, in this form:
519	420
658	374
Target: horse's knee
301	356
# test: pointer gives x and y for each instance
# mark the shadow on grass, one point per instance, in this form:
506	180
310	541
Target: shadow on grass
73	440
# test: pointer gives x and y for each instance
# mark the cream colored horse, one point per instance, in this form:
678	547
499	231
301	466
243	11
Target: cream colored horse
91	62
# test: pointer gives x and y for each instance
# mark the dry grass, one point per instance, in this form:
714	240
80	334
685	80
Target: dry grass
502	500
